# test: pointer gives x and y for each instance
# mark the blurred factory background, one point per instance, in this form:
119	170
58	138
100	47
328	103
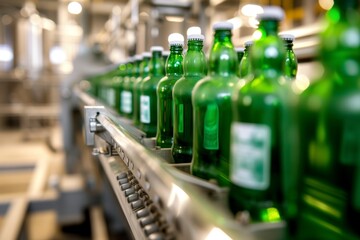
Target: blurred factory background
46	45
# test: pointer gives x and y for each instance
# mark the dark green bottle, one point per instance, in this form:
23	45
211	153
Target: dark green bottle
291	63
329	125
240	54
195	68
174	71
118	85
245	65
211	99
148	100
126	93
261	174
144	72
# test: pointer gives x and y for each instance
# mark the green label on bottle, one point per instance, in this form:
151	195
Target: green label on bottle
145	109
211	127
181	118
126	101
111	97
250	155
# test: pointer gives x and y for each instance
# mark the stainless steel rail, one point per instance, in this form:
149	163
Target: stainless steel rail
160	201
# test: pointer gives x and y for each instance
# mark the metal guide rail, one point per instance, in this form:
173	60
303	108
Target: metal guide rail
158	200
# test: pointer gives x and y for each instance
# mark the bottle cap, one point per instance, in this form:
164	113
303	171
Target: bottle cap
146	54
223	26
166	53
287	37
156	49
176	39
193	30
138	57
196	37
271	13
239	49
249	43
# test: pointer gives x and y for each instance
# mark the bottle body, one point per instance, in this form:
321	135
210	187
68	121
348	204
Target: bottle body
329	145
144	72
195	68
174	71
263	175
211	99
126	95
148	98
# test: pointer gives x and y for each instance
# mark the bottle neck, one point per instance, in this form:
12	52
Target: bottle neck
157	64
195	60
144	67
174	62
223	59
288	45
136	68
129	69
268	52
268	28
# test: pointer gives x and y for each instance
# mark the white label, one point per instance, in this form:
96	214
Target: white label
111	97
250	155
126	101
145	109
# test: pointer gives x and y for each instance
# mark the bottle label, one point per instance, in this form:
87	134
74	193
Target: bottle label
145	109
181	118
250	155
126	101
211	127
111	97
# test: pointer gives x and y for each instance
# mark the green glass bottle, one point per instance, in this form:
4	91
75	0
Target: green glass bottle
165	55
245	64
148	101
144	72
126	93
174	71
330	133
195	68
291	63
262	175
240	54
211	99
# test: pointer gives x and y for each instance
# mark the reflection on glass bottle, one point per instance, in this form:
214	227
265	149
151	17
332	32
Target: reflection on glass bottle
330	133
240	55
211	100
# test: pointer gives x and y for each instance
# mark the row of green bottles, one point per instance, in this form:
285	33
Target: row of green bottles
195	68
329	124
174	71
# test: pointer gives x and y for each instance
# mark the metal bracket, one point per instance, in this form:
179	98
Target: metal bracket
91	124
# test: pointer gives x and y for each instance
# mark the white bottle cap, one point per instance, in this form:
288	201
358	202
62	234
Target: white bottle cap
287	37
138	57
271	12
193	30
196	37
146	54
176	39
239	49
156	49
249	43
223	26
